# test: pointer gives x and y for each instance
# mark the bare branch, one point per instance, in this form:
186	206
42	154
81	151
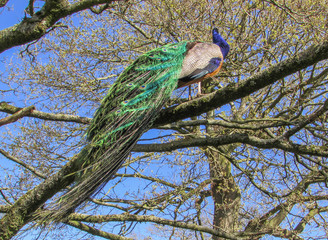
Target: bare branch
95	231
145	218
234	138
28	167
5	107
307	120
17	115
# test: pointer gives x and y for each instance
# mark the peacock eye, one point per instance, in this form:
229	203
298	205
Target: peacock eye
164	49
174	46
142	86
126	101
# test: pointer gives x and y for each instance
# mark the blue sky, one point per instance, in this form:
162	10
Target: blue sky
10	15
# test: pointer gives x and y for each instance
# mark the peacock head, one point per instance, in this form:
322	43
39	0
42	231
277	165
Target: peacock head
218	40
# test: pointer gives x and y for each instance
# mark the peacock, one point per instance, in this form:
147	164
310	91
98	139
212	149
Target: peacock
131	105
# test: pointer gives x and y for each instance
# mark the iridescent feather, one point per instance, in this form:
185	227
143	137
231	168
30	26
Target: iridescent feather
130	107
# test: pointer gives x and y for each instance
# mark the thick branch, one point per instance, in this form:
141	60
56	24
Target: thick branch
17	115
235	91
30	29
3	3
154	219
252	124
216	99
234	138
4	107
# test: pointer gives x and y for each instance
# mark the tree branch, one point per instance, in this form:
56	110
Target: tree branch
235	91
95	231
309	119
251	124
4	208
5	107
33	28
234	138
312	213
149	218
32	169
216	99
3	3
273	218
17	115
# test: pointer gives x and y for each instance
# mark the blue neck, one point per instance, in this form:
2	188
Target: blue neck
218	40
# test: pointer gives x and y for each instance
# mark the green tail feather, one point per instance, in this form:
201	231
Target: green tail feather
127	111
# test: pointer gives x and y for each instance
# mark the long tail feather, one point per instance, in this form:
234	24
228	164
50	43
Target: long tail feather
131	105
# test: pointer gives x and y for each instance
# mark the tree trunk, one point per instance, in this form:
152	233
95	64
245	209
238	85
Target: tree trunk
225	193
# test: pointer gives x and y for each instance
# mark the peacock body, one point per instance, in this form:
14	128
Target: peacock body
131	105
